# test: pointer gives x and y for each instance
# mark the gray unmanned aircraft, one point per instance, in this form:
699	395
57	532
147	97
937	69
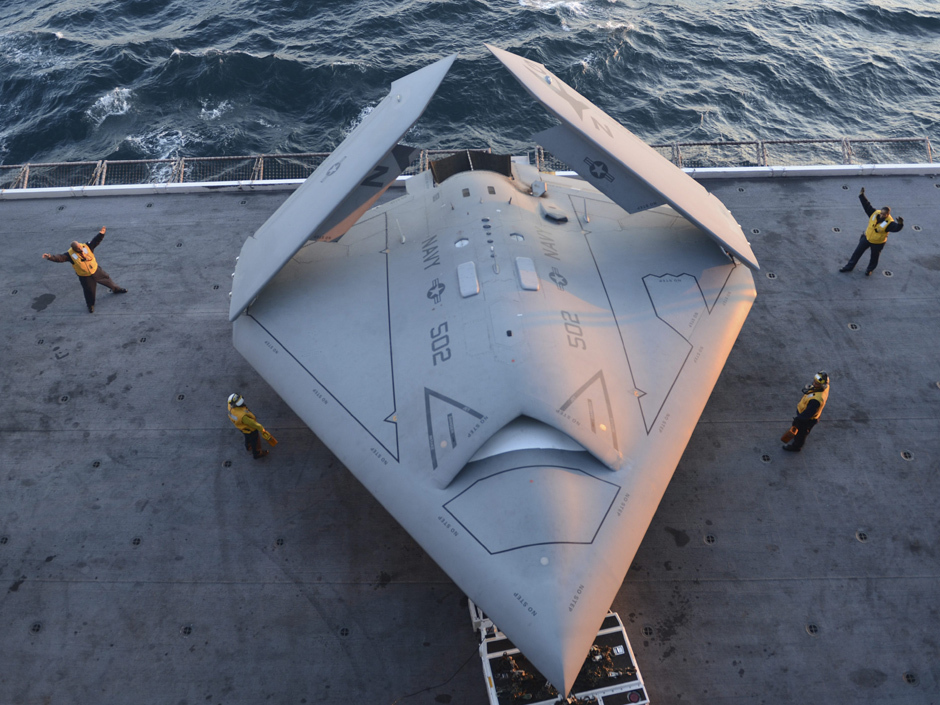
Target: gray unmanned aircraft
512	362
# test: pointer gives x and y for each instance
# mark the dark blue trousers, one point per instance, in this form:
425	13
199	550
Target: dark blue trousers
863	245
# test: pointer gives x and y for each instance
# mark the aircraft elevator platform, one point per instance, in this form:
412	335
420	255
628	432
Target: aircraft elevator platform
610	675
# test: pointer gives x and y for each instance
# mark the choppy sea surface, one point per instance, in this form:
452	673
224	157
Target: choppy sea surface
138	79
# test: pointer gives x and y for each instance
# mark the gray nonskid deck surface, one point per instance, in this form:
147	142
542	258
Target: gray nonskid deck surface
145	557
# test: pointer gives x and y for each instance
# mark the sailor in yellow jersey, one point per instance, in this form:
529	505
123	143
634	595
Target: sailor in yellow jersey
815	395
880	223
248	424
90	274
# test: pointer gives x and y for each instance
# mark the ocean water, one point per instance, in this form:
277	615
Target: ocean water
136	79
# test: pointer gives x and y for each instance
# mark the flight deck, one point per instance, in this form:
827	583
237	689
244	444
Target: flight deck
146	557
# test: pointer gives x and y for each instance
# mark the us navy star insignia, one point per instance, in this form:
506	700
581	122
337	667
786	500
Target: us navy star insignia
436	290
558	278
598	170
558	87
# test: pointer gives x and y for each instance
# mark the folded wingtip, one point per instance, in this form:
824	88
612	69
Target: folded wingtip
342	183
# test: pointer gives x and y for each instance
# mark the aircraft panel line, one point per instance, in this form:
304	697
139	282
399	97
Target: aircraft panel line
538	543
314	377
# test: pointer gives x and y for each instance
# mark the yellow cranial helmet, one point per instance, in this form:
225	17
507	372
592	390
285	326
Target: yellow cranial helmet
236	399
822	378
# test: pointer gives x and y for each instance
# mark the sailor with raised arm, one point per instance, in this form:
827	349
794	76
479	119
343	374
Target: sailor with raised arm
880	223
90	274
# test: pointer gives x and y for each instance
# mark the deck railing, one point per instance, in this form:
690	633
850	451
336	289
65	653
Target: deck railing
271	167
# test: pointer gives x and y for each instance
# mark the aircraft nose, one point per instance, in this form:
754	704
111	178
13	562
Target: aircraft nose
553	571
550	601
564	664
559	636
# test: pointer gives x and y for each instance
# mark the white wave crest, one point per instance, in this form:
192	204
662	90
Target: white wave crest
363	114
114	102
572	6
22	49
160	144
611	25
207	113
221	54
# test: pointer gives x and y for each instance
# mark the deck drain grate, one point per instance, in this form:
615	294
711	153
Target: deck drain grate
149	205
647	631
279	541
35	627
4	540
215	286
96	464
227	464
917	228
14	292
180	397
186	629
765	458
710	539
756	231
812	629
837	230
344	632
853	326
64	398
845	187
861	535
910	678
135	541
907	455
740	189
179	244
771	275
888	273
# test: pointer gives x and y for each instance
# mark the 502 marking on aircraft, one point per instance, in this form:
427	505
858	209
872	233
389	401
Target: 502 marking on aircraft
574	330
440	344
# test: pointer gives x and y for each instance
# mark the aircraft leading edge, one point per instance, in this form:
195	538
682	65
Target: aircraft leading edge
508	360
